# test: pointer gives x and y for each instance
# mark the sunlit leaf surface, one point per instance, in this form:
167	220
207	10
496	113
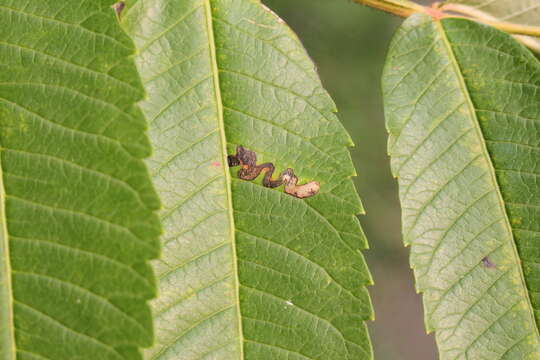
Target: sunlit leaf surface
247	272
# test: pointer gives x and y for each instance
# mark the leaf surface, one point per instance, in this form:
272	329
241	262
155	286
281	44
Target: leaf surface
77	207
248	272
524	12
463	112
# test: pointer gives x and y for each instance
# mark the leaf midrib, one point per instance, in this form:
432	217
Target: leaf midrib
221	125
491	169
7	342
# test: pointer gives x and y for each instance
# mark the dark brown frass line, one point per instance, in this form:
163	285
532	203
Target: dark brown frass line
249	170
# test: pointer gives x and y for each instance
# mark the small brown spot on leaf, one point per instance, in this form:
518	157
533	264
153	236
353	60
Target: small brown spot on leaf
216	164
488	263
118	7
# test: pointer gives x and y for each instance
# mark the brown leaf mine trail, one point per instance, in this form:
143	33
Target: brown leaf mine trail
249	170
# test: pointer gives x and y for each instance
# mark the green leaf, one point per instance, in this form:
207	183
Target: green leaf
462	108
77	207
247	272
524	12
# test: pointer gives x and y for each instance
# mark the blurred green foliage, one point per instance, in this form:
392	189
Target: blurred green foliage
348	43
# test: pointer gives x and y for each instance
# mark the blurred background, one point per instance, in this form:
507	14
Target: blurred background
348	44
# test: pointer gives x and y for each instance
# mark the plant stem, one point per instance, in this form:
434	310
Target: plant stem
481	16
511	28
405	8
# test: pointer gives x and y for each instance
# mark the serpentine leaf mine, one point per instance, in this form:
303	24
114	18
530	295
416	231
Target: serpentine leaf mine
249	170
